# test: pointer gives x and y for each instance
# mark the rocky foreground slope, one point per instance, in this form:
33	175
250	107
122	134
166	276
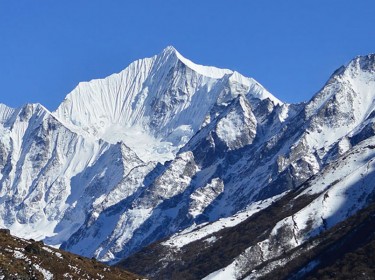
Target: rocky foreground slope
189	154
30	259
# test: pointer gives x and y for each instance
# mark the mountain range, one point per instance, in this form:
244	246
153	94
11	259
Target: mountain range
176	170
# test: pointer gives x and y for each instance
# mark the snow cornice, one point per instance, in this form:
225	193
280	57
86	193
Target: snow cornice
208	71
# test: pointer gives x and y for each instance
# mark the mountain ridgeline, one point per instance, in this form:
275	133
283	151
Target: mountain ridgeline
176	170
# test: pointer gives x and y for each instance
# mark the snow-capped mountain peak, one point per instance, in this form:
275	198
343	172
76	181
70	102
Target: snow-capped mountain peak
208	71
162	100
167	144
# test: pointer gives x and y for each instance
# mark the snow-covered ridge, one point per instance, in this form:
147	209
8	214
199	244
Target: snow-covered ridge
163	99
359	72
208	71
255	88
196	232
364	62
344	188
5	112
64	175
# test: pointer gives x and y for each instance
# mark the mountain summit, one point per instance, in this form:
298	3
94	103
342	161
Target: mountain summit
162	100
193	155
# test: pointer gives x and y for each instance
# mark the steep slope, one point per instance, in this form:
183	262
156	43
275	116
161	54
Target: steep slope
167	145
129	218
5	113
161	101
342	252
51	177
265	238
61	181
176	197
321	142
29	259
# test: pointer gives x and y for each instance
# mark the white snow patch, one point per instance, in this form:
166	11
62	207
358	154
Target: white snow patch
47	274
147	147
37	231
19	255
196	232
211	239
227	273
208	71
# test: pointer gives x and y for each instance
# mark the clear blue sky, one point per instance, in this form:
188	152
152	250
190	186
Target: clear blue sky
291	47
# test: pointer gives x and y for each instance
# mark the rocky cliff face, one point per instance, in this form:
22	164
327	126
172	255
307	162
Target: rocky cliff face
99	157
166	146
320	160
